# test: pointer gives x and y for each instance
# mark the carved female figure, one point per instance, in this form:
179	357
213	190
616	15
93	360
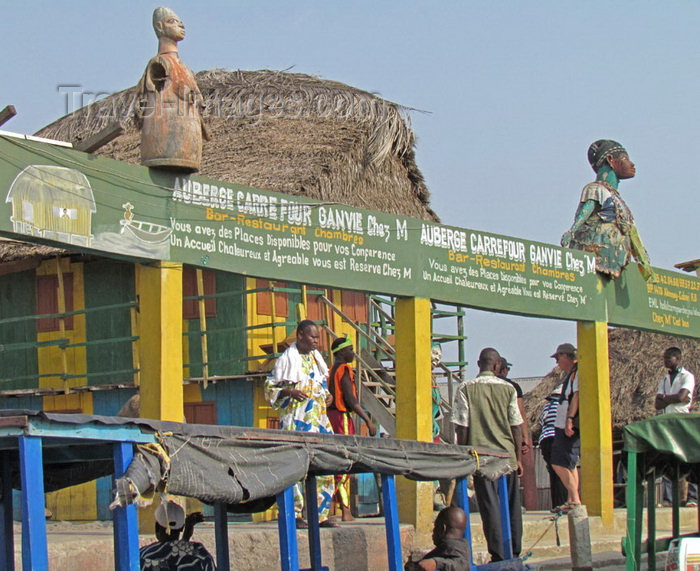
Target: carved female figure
603	223
170	105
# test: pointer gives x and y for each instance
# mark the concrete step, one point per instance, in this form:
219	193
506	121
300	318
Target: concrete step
353	546
540	541
611	560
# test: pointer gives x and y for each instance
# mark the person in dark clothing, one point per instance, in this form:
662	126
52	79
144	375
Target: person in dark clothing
557	490
566	448
485	413
341	384
172	551
525	427
452	552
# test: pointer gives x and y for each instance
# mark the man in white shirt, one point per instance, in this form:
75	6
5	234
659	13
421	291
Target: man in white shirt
675	394
676	389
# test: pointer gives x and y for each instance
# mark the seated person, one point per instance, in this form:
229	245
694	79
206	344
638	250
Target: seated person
452	552
170	551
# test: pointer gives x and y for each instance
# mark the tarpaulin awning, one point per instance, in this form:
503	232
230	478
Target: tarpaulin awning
676	435
234	465
237	465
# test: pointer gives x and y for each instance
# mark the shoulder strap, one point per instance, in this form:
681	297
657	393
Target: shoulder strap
563	397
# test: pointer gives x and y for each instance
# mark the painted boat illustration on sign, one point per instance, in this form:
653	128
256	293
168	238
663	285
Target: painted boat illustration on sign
145	231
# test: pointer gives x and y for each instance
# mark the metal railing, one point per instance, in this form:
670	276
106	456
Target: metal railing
273	325
64	343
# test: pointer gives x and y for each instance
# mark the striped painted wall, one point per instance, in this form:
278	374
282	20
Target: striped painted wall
17	299
96	283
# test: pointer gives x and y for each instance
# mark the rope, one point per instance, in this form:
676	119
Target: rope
555	523
476	456
556	528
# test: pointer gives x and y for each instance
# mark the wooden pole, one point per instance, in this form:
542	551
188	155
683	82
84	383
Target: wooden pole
329	337
135	360
7	113
273	317
203	327
62	321
100	139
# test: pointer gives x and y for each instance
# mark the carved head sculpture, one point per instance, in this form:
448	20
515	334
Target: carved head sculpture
167	24
612	153
170	105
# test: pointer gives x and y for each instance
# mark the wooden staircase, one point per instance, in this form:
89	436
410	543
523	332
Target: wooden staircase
376	370
378	395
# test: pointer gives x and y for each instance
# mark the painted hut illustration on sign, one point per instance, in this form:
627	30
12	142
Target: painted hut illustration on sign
52	202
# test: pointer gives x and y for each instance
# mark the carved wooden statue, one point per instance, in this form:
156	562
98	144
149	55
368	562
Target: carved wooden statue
170	105
603	223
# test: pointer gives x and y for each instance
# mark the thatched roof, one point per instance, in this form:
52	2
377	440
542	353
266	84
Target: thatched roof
286	132
21	256
689	266
13	251
636	367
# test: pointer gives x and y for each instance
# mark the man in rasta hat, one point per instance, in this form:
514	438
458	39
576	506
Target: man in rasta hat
341	383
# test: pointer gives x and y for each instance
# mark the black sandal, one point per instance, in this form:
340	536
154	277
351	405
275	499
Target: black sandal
569	507
328	523
301	523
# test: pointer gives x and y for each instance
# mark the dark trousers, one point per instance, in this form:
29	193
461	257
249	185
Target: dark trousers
557	489
489	508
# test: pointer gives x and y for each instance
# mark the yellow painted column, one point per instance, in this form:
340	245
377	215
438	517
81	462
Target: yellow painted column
414	407
595	419
159	289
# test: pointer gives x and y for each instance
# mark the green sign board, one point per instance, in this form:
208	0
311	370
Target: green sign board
505	274
58	195
667	306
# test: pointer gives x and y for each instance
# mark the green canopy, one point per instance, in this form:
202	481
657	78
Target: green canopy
675	434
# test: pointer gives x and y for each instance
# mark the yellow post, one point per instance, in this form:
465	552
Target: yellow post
159	289
595	419
414	407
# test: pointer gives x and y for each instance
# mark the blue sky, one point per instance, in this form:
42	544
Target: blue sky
510	96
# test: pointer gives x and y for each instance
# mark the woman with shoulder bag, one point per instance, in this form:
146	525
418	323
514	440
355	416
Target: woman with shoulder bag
566	448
